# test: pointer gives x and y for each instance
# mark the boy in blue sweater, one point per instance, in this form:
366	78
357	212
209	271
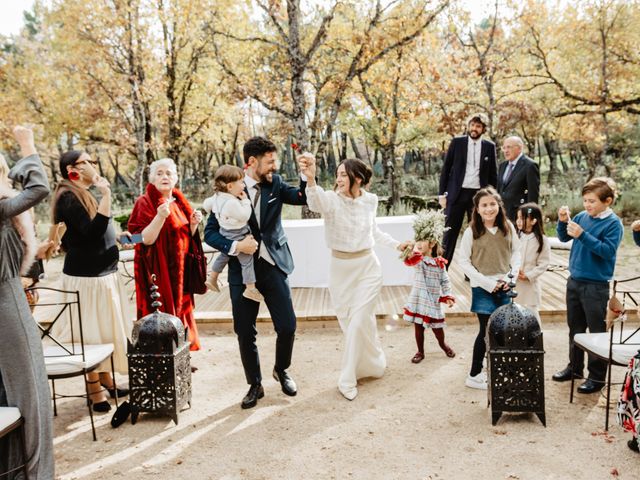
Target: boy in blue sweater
596	234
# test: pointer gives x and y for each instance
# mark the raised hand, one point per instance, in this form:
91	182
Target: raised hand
24	137
574	230
163	210
102	184
563	214
196	217
307	164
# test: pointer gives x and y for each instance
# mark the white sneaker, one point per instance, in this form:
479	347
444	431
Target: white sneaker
479	381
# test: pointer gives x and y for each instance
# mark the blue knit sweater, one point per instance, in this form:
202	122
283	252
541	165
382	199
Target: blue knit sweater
593	254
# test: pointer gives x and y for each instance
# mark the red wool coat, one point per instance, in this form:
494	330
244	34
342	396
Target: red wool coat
165	258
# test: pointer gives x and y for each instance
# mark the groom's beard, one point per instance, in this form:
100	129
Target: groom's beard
266	177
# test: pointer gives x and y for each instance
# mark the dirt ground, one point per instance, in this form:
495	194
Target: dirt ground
417	422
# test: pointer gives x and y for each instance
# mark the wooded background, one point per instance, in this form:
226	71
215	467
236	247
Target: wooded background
391	82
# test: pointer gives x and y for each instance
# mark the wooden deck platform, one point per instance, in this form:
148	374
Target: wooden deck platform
315	304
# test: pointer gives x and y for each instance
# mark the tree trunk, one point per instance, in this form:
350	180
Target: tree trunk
356	150
551	146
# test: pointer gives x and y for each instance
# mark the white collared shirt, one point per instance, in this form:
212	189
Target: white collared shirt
251	183
472	172
605	213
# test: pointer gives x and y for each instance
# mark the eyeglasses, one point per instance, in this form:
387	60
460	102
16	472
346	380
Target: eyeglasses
82	162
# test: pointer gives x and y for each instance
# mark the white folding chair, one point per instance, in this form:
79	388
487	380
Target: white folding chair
68	357
619	344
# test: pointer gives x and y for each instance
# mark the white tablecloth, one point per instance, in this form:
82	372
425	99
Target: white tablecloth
311	255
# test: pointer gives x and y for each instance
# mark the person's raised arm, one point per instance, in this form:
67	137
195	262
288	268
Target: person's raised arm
29	173
103	186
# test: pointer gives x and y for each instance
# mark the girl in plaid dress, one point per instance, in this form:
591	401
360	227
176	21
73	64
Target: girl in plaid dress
431	286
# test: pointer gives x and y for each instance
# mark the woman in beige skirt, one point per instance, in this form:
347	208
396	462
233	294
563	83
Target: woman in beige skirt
91	268
355	276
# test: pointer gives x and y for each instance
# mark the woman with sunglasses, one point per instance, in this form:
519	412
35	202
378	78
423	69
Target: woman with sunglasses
91	268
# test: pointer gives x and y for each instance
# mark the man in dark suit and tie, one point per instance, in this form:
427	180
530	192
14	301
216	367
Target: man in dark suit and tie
470	164
518	177
272	262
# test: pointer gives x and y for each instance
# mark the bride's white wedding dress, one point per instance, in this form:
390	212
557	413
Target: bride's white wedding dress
355	279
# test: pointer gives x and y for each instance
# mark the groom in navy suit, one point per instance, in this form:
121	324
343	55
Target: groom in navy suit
470	164
272	262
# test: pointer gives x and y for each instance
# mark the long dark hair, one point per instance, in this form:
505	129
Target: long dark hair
87	200
355	168
477	225
531	211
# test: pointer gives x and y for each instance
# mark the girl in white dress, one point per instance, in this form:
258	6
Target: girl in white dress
355	276
535	256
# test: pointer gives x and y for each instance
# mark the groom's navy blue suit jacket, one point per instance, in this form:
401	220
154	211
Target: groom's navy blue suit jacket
270	231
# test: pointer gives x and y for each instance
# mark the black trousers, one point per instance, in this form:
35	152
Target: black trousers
586	309
463	205
274	286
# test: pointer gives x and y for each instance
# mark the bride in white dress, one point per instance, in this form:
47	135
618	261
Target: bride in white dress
355	276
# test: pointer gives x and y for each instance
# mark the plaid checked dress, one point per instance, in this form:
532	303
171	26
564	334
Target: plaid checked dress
431	287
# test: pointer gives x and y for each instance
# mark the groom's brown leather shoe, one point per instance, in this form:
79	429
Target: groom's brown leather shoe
288	385
255	392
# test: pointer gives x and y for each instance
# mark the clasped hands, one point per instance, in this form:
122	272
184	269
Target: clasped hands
307	165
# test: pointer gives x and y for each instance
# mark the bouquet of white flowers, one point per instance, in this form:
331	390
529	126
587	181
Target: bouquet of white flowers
429	226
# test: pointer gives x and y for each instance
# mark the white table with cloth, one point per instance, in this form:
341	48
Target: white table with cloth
311	255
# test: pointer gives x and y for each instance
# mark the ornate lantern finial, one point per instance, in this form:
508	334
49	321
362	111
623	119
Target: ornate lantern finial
155	295
512	285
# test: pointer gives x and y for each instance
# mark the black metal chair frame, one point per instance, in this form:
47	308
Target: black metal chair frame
18	426
622	339
46	333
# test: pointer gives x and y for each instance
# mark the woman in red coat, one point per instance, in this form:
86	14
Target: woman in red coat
167	223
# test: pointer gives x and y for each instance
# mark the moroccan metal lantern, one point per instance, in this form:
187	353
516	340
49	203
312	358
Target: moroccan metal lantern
159	364
516	361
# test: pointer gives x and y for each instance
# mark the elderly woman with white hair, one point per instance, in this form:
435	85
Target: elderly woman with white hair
91	268
168	224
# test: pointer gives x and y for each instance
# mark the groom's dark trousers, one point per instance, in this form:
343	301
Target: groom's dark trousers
274	286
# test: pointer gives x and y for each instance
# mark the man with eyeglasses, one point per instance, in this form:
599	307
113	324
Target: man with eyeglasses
518	177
